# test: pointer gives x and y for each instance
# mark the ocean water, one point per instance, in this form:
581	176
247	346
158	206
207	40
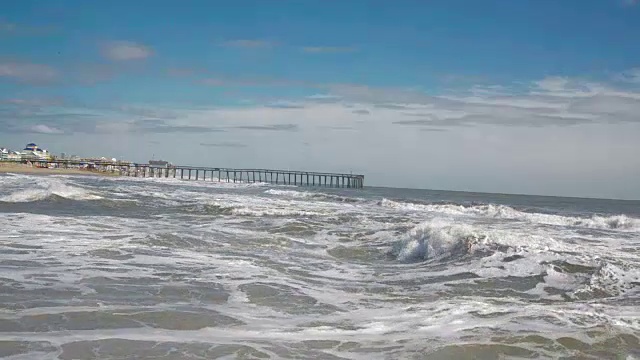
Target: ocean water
124	268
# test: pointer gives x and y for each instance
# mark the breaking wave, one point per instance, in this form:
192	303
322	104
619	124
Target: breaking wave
437	240
311	195
47	189
617	222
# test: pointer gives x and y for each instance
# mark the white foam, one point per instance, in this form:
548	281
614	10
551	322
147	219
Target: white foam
44	188
310	195
618	222
382	301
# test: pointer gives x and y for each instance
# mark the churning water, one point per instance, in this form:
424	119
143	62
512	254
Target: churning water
122	268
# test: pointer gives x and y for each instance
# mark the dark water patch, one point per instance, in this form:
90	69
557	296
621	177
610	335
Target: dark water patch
321	344
295	228
570	268
14	252
125	280
427	280
116	237
124	293
292	350
18	297
21	246
59	206
492	315
512	258
510	286
285	299
238	352
205	209
42	276
176	241
346	236
109	254
184	320
21	264
359	254
536	340
480	351
132	349
12	348
81	320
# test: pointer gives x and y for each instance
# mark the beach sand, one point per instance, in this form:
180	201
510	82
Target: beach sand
25	169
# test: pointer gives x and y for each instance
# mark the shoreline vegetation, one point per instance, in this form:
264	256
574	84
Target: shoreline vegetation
19	168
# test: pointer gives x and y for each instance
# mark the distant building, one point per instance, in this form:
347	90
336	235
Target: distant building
4	153
33	152
159	163
14	156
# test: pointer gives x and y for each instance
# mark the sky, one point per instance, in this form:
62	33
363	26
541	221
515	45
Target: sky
521	96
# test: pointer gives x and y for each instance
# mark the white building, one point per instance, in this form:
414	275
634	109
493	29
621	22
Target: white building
4	153
33	152
14	156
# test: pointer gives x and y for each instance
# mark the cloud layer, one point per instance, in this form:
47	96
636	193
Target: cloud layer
126	51
28	72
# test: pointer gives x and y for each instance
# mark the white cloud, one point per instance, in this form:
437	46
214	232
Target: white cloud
126	50
44	129
28	72
31	102
556	136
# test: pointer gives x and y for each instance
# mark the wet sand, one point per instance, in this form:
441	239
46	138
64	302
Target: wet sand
25	169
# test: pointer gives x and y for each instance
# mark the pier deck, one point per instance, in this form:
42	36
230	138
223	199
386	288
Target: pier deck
281	177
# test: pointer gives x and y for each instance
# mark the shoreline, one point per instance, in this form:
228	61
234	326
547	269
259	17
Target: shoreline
32	170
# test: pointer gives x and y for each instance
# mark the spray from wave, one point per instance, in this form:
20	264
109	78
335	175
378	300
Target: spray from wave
437	240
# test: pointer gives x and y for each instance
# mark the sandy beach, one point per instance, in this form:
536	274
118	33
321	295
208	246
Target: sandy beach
25	169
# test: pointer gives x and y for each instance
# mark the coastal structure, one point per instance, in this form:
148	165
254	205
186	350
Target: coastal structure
228	175
279	177
159	163
35	156
33	152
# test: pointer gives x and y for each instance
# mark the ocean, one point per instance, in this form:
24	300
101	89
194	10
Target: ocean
133	268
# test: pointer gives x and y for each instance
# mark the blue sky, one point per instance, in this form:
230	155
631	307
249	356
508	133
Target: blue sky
517	96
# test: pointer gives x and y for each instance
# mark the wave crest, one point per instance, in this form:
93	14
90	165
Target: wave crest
433	240
615	222
46	189
311	195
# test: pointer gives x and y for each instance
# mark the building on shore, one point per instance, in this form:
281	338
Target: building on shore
33	152
9	155
14	156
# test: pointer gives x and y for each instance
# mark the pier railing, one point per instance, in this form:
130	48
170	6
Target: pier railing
283	177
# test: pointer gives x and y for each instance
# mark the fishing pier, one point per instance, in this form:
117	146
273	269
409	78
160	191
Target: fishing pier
283	177
228	175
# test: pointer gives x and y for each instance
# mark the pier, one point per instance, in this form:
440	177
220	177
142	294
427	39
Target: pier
228	175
